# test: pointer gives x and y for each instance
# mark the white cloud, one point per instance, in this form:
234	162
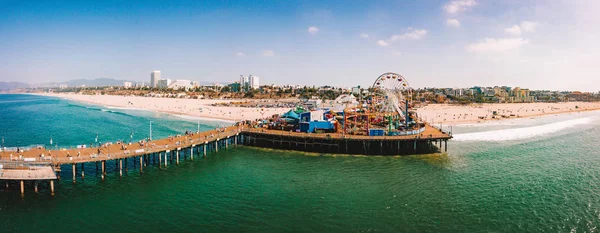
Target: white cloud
453	22
364	35
382	43
411	33
456	6
240	54
313	30
528	26
515	30
268	53
496	45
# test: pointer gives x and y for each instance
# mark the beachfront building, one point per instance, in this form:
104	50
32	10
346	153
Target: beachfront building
519	95
244	83
254	82
180	85
163	83
249	82
127	85
154	78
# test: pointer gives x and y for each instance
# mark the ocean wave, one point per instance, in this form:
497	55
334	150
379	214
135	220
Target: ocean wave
125	108
521	133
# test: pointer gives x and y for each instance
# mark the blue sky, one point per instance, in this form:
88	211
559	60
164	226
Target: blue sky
451	43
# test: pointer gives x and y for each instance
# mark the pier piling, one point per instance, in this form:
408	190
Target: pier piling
82	171
22	187
166	152
52	186
120	167
141	165
74	175
177	156
103	172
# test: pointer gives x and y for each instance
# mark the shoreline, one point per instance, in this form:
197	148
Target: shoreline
449	114
187	109
175	114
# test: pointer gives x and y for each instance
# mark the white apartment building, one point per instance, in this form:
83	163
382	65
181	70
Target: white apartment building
254	82
154	78
127	85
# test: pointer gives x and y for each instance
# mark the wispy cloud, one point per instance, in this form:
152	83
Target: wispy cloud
382	43
453	23
313	30
240	54
514	30
496	45
525	26
528	26
364	35
457	6
268	53
411	33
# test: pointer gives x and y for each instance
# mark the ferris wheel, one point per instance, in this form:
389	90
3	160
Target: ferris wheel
391	82
394	89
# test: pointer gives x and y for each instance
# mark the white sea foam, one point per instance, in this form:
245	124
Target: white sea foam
124	108
521	133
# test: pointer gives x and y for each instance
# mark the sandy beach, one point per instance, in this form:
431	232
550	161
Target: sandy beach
197	108
449	114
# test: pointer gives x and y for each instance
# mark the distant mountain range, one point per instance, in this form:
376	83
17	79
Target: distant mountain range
6	86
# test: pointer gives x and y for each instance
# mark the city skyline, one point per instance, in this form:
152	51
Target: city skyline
460	43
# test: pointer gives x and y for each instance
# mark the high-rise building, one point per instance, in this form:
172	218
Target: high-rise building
254	82
154	77
127	85
243	83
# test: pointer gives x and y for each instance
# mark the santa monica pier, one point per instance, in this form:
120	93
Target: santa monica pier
382	123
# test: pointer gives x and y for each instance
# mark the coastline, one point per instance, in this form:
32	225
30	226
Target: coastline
184	108
449	114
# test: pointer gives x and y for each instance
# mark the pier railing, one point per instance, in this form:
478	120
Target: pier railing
180	143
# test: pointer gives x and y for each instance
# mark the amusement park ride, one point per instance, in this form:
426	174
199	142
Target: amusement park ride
386	111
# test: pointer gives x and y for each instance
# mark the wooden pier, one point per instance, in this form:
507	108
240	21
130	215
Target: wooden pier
44	165
431	140
41	164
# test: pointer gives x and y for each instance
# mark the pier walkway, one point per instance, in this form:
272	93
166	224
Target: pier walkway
41	164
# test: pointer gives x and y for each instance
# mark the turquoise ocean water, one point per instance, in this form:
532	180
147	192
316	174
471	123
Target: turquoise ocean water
523	175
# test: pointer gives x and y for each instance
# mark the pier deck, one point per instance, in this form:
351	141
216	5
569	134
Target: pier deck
429	133
114	151
45	164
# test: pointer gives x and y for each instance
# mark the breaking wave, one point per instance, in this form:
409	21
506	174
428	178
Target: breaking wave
521	133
